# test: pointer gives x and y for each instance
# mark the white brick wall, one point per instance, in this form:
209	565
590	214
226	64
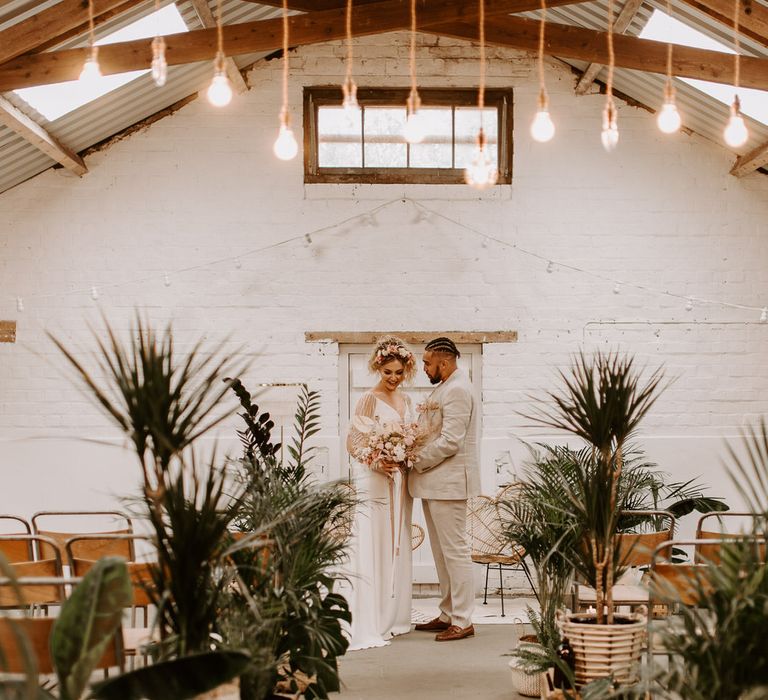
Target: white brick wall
203	185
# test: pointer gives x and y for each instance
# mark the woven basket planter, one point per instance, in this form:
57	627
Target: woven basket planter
605	650
526	684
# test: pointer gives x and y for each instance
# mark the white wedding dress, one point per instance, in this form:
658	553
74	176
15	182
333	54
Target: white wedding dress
380	568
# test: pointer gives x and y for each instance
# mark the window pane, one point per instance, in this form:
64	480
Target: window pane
384	144
339	136
435	150
467	126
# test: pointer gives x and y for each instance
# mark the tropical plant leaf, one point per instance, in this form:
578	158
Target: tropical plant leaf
179	679
22	690
87	623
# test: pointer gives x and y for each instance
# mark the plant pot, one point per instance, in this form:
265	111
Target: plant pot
605	650
228	691
525	683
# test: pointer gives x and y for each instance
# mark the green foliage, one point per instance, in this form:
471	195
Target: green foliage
286	602
179	679
602	401
256	438
87	624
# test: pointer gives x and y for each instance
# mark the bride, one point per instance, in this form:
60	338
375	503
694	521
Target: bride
380	555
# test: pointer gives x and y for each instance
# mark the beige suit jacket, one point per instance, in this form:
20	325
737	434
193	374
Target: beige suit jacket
448	467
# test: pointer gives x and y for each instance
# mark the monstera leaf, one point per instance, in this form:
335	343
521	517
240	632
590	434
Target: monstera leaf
180	678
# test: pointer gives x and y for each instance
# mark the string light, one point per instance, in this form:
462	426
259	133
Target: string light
238	263
307	240
285	147
91	72
610	133
550	267
764	315
220	89
414	131
542	127
166	280
689	304
736	133
19	304
617	288
349	88
94	294
481	172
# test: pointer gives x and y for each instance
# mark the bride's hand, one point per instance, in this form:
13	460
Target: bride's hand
389	468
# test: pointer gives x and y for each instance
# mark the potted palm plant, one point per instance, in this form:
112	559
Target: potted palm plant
602	401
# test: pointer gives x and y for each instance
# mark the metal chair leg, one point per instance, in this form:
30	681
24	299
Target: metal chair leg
501	591
485	594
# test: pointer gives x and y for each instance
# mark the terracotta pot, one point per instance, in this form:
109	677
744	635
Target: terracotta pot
603	650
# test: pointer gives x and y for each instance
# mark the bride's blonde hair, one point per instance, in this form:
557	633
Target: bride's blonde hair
390	347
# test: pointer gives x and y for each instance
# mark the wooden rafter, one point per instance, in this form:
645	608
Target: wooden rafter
248	37
566	41
749	162
51	25
624	19
753	24
30	130
208	20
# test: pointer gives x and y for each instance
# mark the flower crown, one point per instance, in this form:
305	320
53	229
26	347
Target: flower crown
385	352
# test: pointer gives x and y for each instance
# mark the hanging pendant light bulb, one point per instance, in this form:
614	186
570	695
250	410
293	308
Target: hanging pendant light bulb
610	133
285	147
763	315
349	88
220	90
542	127
19	304
91	72
482	172
736	133
415	129
669	120
159	64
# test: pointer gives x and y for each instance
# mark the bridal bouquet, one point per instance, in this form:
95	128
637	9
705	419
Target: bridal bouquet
397	443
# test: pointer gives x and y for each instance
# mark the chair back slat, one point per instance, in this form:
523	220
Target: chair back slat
24	595
483	526
683	583
15	549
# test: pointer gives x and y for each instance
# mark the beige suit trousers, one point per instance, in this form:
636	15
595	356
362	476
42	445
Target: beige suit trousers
447	527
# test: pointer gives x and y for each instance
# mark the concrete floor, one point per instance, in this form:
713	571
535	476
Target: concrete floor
416	666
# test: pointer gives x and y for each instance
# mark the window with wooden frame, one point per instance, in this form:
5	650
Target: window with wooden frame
368	146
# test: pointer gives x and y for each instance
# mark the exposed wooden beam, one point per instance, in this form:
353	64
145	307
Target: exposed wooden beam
624	19
100	16
208	20
749	162
566	41
52	23
31	131
753	18
249	37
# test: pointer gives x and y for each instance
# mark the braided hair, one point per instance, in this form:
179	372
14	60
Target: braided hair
442	344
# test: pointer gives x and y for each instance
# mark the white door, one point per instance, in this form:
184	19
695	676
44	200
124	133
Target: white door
355	380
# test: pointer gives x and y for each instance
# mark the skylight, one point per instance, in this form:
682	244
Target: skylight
54	101
662	27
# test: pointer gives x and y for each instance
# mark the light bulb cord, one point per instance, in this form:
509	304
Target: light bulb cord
219	29
542	86
611	55
737	45
284	117
348	79
91	29
413	99
481	89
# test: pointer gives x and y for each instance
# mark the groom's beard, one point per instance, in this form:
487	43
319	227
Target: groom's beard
436	379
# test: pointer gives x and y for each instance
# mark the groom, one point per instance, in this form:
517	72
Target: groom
445	475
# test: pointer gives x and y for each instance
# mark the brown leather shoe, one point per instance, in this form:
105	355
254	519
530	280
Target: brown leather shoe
454	632
436	625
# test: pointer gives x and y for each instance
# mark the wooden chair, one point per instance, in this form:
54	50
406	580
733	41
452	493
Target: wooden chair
36	597
709	552
635	550
488	545
417	536
19	635
15	549
93	522
140	572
